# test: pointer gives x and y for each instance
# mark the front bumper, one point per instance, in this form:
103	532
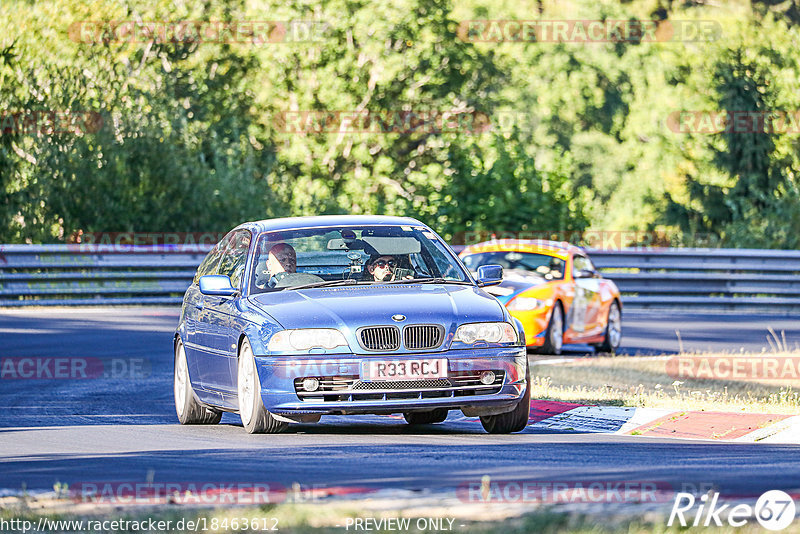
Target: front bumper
281	377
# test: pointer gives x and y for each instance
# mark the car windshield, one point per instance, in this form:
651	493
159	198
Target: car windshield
294	259
543	265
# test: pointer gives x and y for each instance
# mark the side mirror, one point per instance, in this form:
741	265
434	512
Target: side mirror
586	273
489	275
217	285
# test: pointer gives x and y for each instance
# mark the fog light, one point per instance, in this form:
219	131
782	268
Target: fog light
310	384
487	378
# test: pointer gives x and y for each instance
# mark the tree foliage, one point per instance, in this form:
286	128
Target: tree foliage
192	136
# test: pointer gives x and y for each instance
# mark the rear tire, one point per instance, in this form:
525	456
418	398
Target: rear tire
426	418
613	335
188	408
554	336
514	421
255	418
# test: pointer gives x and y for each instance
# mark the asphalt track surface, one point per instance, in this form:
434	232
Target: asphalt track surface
124	429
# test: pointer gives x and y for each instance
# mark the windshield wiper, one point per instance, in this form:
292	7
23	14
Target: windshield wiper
429	280
345	282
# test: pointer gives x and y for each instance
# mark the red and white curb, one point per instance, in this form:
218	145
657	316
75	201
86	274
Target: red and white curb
650	422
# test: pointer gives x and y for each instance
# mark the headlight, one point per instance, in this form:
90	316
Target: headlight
525	303
305	339
488	332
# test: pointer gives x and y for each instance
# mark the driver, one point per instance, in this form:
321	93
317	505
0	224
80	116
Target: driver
281	261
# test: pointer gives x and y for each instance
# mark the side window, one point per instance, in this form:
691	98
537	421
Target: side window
556	268
234	260
436	261
580	263
211	261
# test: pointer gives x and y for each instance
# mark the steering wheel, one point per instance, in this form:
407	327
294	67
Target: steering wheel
297	279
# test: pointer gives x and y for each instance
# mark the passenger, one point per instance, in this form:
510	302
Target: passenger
384	269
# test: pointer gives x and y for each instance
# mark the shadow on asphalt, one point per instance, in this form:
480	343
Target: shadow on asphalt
419	465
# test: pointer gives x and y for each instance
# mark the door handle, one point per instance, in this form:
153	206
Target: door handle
199	305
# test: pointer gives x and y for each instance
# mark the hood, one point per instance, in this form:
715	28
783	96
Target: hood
349	308
515	281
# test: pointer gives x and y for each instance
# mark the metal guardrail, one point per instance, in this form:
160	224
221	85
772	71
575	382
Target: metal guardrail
737	279
734	279
47	275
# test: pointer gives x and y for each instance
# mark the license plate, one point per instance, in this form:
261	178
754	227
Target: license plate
403	369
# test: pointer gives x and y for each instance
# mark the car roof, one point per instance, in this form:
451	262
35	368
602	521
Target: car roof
542	246
322	221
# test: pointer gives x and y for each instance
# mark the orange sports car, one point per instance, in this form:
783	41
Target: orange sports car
555	291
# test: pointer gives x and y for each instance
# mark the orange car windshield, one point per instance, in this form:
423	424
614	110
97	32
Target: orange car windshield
548	267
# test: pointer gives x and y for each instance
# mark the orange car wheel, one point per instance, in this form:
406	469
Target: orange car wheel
554	336
613	335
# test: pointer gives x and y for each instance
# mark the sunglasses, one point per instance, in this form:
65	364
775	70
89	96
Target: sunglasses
384	263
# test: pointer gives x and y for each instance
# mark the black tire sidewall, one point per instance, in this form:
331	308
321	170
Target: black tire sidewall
188	398
194	412
261	421
548	347
426	418
517	419
255	424
605	346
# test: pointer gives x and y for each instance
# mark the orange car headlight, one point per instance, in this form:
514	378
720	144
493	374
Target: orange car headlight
526	304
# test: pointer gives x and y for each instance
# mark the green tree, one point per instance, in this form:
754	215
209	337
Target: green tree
498	189
757	206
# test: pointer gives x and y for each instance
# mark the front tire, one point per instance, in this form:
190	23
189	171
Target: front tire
188	408
514	421
426	418
613	335
554	337
255	418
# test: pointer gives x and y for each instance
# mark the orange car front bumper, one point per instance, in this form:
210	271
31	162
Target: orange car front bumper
534	322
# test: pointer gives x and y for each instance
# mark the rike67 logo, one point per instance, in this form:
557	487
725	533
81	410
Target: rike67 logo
774	510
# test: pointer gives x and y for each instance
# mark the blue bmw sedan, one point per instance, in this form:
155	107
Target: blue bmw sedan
291	319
